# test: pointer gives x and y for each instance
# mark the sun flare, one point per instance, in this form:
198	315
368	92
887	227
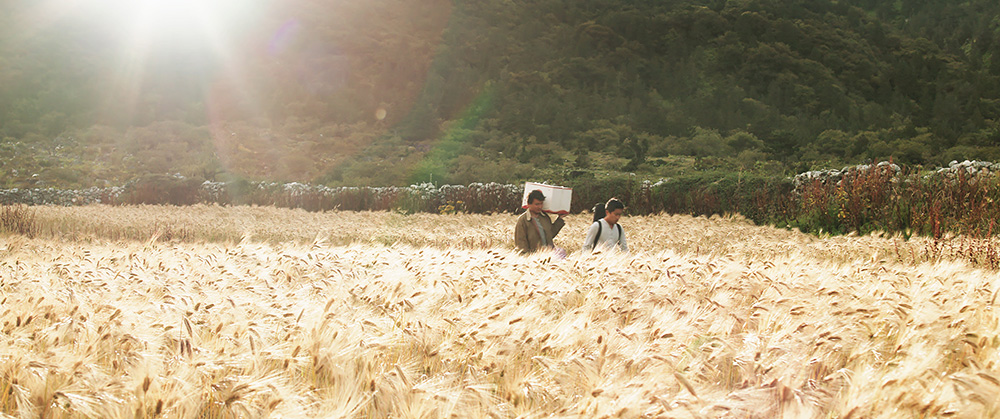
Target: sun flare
176	23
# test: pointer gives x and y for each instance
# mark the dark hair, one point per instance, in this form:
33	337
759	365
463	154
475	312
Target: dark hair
536	195
614	204
601	210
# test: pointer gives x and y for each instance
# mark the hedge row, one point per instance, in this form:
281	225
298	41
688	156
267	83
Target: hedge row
965	198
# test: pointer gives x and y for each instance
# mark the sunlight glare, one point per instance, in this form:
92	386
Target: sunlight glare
176	23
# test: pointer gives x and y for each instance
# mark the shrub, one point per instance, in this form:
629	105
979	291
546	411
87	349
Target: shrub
759	198
163	189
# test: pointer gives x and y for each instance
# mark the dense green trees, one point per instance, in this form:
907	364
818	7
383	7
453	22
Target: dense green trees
399	91
813	83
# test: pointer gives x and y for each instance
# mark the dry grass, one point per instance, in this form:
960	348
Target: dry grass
212	223
384	315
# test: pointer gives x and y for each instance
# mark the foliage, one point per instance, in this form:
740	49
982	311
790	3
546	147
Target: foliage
161	189
873	199
720	100
463	92
759	198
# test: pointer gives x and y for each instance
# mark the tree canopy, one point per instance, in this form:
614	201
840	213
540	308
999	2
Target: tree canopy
389	92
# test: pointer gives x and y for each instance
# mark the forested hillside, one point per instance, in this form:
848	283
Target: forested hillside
390	92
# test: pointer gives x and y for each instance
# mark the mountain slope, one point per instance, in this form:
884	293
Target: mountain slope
398	91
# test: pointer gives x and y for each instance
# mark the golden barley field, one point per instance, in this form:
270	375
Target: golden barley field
251	312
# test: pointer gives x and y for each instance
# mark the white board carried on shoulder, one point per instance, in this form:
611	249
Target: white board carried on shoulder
557	198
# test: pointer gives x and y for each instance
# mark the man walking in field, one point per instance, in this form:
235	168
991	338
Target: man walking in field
534	229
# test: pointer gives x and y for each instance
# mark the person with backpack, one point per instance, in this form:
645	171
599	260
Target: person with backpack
605	230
